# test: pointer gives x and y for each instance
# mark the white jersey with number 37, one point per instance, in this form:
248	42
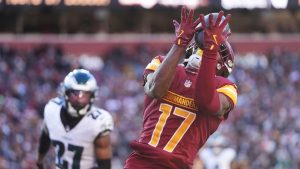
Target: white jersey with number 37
74	147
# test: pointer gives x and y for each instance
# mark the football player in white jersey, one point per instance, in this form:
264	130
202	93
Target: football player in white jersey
79	131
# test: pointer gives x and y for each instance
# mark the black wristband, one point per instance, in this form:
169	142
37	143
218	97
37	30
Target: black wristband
104	163
40	165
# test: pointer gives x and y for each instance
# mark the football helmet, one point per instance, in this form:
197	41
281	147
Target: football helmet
226	61
79	90
194	51
193	56
199	35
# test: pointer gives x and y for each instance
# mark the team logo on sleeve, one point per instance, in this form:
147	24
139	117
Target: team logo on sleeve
187	83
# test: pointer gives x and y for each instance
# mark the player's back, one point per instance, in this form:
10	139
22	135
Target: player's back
75	147
173	129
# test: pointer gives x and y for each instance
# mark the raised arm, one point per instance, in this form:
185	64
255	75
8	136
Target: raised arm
158	82
208	99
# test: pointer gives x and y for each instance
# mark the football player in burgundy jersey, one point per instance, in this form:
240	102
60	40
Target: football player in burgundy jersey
185	103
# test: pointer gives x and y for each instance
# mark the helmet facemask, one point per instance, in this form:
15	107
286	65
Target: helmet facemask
193	57
78	102
226	61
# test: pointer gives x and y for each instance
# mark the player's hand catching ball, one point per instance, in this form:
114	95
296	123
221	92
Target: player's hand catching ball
186	29
213	32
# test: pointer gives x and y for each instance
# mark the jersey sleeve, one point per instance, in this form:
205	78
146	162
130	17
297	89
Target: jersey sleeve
53	106
228	88
105	122
46	115
230	91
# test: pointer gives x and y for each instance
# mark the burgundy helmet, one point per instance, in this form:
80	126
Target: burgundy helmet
226	61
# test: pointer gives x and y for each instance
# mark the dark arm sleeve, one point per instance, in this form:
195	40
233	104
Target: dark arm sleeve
45	143
206	96
104	163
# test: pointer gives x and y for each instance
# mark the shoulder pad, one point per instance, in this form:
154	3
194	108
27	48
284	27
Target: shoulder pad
153	65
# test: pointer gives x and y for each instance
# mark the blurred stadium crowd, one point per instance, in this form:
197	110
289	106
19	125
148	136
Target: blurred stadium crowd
49	20
264	129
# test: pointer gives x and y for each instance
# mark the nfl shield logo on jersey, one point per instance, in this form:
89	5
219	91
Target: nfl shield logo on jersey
187	83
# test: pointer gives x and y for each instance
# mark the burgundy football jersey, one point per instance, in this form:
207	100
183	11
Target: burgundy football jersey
173	128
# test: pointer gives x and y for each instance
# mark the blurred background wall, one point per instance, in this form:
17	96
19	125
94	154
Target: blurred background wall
42	40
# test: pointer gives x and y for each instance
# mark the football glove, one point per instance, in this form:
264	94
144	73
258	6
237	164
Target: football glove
213	32
186	29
